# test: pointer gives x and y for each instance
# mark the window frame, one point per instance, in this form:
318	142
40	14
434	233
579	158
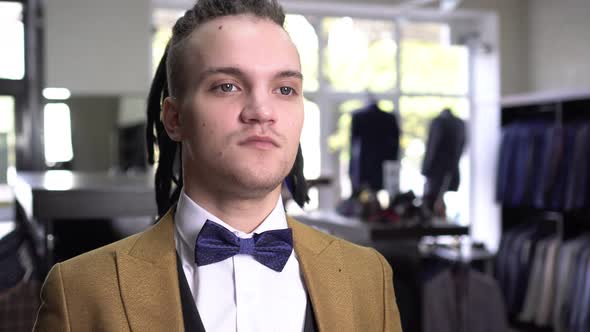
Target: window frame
27	91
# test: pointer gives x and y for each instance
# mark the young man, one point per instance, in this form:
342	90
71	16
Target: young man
225	257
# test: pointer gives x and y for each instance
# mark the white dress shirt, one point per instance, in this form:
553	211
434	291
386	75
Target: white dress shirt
239	293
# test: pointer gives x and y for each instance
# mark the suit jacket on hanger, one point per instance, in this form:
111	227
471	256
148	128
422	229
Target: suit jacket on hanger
374	139
133	284
545	306
465	301
578	305
565	280
576	187
535	282
446	140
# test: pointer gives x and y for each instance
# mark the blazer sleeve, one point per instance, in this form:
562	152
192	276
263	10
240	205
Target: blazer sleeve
392	322
53	313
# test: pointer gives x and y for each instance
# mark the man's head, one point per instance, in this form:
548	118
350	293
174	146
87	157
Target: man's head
203	12
235	99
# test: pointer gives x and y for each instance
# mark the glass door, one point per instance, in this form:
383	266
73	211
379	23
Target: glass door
7	139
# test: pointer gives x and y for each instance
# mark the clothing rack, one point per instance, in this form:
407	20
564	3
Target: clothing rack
561	110
559	107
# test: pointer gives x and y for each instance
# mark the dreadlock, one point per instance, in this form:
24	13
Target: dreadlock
169	80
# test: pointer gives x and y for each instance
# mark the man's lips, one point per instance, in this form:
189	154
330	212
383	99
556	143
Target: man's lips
262	142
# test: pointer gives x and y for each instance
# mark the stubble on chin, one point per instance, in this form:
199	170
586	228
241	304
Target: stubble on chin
236	171
256	180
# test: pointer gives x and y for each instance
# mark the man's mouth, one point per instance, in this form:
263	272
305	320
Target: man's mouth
260	142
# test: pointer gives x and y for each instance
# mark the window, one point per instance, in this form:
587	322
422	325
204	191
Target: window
305	39
429	64
7	154
12	39
434	75
302	32
310	139
57	133
359	54
163	21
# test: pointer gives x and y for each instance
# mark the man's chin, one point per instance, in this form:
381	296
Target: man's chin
259	184
262	185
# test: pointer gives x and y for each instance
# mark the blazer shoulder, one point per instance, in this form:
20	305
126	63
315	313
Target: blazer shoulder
102	258
352	253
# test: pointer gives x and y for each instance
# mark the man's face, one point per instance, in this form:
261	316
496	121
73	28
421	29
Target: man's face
243	111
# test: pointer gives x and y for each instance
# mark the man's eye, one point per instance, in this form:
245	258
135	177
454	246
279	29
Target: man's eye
286	91
227	87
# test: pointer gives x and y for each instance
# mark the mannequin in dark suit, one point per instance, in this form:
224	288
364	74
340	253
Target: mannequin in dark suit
446	140
374	139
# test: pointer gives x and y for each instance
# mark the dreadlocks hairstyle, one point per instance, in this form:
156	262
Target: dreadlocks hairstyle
169	80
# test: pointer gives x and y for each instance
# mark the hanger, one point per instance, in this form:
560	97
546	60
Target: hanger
371	98
447	111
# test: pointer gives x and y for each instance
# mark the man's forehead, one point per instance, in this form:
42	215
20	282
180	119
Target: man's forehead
245	42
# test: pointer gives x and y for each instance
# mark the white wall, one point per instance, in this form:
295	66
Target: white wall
544	44
513	40
559	44
98	47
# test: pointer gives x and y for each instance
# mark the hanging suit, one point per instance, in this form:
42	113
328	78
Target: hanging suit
446	140
374	139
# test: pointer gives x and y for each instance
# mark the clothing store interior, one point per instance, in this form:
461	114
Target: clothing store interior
453	136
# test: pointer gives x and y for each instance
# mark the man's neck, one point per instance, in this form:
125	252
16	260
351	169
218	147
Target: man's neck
243	214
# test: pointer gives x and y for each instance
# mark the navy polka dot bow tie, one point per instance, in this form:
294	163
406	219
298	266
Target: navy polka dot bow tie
216	243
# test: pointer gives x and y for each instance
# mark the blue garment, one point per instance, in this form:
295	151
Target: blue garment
503	164
544	166
577	315
578	184
557	195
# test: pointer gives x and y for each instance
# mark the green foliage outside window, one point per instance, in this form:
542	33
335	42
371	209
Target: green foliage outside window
359	54
429	67
306	40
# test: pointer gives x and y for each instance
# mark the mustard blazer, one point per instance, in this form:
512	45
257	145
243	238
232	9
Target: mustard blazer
132	285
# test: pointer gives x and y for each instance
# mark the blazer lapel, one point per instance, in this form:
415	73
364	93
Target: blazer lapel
148	280
325	277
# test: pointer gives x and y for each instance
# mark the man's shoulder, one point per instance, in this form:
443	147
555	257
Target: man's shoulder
351	252
150	245
102	257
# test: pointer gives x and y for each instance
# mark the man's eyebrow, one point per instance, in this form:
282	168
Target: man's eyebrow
234	71
290	73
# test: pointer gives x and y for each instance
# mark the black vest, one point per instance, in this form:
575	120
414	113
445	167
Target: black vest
192	319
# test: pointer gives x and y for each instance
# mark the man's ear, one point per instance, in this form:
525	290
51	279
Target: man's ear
170	117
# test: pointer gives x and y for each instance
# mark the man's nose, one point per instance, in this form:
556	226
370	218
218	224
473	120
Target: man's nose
258	109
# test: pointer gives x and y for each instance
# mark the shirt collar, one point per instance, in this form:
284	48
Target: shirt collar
190	218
